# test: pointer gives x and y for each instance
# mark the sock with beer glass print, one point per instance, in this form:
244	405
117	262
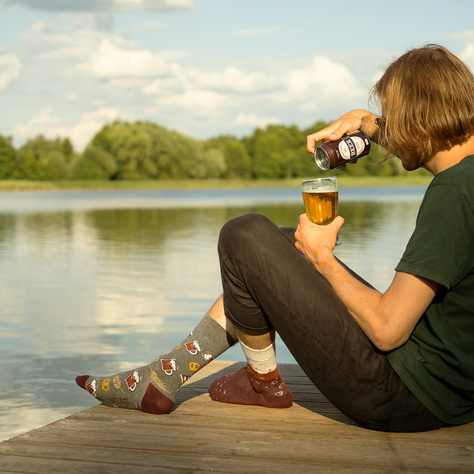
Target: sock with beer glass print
153	387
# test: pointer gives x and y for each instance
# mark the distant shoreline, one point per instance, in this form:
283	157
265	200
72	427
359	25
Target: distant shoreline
349	181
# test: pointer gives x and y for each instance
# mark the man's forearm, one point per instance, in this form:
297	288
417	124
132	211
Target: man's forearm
362	301
386	318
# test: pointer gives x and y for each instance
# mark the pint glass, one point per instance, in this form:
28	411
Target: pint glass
320	196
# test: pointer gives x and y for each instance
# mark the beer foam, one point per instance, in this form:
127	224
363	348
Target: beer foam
326	189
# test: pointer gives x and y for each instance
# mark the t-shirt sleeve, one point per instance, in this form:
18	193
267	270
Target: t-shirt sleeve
438	248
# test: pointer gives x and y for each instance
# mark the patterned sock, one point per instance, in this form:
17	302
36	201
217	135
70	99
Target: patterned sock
153	388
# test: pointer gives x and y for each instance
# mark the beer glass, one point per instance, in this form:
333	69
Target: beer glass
320	196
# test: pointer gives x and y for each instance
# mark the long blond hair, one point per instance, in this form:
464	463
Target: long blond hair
427	102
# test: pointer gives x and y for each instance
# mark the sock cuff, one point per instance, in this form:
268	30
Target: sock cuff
258	354
262	361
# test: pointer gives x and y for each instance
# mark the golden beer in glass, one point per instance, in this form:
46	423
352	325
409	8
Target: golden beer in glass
320	196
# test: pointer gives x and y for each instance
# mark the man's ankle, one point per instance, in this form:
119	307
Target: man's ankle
274	374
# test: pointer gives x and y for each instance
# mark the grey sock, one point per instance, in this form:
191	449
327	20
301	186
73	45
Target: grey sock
153	387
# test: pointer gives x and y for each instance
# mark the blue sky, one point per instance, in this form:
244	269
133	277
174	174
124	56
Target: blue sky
205	67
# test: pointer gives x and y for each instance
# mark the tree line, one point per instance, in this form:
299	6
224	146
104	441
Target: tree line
143	150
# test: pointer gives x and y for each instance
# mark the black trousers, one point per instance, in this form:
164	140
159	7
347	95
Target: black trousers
268	284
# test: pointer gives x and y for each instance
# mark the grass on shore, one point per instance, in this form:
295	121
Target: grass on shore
349	181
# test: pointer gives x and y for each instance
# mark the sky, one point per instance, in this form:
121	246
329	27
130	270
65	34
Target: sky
205	67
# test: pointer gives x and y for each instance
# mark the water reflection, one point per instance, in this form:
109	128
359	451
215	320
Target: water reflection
100	282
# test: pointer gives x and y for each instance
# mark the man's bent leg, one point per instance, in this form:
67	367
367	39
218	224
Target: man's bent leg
269	285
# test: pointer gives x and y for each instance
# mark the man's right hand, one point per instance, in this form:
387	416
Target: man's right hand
354	120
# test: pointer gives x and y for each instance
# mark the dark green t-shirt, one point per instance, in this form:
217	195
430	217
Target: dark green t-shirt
437	362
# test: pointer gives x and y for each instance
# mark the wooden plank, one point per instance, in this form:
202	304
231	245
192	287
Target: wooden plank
107	441
177	449
177	462
204	435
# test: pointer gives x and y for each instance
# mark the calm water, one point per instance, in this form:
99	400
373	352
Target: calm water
96	282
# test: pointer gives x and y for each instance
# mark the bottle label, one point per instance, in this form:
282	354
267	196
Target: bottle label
351	147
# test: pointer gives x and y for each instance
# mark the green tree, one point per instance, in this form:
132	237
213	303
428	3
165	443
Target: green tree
53	166
94	163
28	165
208	164
277	152
237	159
44	159
8	163
185	154
145	150
163	150
67	149
131	147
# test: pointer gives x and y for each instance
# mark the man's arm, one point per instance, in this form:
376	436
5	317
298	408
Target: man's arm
387	318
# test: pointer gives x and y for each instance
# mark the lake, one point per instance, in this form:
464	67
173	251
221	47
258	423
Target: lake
102	281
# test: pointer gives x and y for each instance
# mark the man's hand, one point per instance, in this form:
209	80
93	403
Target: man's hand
353	120
316	242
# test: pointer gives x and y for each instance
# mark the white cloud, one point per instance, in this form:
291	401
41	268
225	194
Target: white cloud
102	5
466	35
10	67
323	78
160	87
37	124
467	55
321	81
149	26
79	38
90	123
110	61
80	133
256	32
39	27
253	120
234	80
88	21
129	68
201	102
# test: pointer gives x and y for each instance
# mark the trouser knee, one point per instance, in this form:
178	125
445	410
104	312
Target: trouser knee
240	232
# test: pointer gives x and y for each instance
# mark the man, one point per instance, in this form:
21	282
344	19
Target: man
398	361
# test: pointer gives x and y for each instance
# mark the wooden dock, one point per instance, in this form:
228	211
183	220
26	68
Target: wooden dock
202	435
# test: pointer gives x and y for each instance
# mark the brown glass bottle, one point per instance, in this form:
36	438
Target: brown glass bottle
330	155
